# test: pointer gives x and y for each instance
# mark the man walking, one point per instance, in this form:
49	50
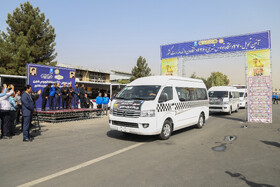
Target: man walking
65	93
105	103
57	96
76	95
45	96
27	110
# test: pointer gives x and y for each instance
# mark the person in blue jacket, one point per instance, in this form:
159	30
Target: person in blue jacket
105	103
27	110
99	100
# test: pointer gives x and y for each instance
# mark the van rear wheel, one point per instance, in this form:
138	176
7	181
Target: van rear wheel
166	130
201	121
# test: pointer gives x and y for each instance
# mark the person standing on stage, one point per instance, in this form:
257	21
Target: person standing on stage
71	94
65	93
57	96
51	98
82	95
18	102
76	92
27	110
87	101
45	95
105	103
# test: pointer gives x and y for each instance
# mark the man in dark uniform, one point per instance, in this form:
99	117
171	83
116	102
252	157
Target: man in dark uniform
57	96
65	94
76	95
82	95
71	94
45	96
27	110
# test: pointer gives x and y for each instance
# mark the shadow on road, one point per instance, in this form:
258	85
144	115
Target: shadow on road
249	183
225	116
130	137
276	144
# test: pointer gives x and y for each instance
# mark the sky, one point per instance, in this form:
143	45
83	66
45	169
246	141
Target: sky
111	35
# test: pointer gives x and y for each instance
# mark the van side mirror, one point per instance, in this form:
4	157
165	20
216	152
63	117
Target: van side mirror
162	98
230	95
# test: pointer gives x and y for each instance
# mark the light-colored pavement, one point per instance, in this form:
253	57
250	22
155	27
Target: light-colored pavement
186	159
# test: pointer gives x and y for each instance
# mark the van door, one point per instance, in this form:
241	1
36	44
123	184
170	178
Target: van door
165	106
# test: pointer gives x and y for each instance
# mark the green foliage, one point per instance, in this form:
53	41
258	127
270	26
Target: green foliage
123	81
215	79
141	69
29	39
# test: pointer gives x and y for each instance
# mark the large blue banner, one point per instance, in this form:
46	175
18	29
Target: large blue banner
38	76
246	42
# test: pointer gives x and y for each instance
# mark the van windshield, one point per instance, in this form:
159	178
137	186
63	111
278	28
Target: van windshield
219	94
139	92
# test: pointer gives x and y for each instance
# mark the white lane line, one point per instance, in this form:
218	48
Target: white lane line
37	181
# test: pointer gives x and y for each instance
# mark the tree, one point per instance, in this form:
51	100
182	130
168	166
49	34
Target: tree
29	39
123	81
217	79
196	77
141	69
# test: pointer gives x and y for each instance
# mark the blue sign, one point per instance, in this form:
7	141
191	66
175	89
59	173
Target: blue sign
246	42
38	76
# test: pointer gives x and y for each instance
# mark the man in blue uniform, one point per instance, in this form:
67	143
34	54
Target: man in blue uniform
27	110
76	95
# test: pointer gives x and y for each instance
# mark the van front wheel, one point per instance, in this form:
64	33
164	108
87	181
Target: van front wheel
200	122
166	130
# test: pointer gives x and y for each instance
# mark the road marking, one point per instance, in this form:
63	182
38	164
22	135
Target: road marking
80	166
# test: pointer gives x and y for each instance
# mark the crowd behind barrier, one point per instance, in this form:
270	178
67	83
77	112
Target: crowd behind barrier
14	103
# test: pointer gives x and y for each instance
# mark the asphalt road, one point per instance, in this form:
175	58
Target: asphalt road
87	153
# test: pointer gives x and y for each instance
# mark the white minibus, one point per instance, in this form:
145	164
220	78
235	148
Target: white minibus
242	98
159	105
223	99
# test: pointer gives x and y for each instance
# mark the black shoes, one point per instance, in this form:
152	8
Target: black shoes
6	137
27	140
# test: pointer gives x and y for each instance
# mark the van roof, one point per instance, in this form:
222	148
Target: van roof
223	88
161	80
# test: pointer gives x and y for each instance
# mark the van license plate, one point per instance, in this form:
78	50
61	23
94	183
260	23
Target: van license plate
123	129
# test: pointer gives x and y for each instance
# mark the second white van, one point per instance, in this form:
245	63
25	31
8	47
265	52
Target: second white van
223	99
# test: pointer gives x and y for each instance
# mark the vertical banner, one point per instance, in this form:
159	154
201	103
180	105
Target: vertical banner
169	67
259	86
38	76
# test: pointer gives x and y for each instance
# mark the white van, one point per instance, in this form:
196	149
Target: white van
223	99
242	98
159	105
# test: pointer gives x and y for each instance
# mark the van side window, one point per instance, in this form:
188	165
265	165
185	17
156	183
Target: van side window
166	94
183	94
191	94
201	94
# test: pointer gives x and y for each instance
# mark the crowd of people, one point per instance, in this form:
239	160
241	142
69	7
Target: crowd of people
63	98
13	104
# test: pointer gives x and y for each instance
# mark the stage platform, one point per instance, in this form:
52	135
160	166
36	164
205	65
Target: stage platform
55	116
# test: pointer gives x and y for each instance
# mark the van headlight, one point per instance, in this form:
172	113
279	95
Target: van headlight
225	102
148	113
